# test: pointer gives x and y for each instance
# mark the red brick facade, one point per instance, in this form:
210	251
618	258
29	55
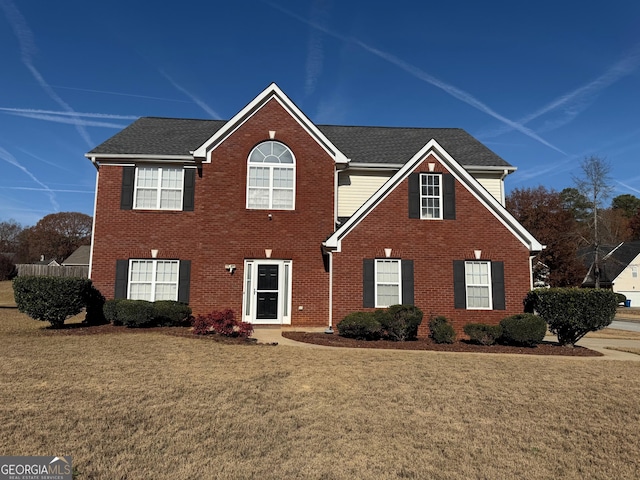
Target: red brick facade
221	231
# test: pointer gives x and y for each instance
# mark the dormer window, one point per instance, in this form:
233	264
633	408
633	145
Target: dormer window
271	174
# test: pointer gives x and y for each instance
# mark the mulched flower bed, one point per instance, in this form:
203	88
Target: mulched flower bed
109	329
335	340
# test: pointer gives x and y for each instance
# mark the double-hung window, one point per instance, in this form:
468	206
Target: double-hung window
478	284
158	188
271	177
153	280
430	196
388	283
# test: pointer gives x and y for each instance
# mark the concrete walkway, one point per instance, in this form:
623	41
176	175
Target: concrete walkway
273	334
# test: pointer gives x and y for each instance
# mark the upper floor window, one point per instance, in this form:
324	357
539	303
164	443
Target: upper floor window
271	174
158	188
430	196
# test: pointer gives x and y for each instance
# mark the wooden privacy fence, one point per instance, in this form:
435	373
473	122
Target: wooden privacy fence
52	271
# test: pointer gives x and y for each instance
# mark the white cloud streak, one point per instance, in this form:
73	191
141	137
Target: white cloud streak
7	157
424	76
578	100
66	114
106	92
58	190
195	99
28	50
68	120
315	50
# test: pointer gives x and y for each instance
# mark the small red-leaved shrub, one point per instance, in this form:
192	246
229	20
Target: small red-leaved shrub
223	323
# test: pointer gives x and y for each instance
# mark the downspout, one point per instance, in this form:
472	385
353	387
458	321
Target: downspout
330	327
93	223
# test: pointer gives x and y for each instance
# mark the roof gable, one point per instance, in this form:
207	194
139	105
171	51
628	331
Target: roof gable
460	174
272	92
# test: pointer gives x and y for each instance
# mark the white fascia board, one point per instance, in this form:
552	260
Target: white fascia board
271	92
465	179
140	157
492	168
375	166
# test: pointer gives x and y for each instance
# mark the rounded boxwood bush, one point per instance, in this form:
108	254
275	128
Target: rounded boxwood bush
169	313
361	326
483	334
441	330
523	329
110	311
400	322
135	313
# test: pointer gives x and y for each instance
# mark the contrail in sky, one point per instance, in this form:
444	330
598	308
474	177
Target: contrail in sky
70	120
121	94
7	157
27	50
424	76
199	102
31	111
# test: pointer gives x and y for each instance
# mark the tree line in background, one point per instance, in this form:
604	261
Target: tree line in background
55	236
575	223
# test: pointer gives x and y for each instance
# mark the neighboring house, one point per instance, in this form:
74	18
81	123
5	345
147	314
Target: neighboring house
292	223
79	258
618	270
49	262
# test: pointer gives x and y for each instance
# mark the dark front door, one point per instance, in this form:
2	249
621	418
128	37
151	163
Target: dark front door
267	292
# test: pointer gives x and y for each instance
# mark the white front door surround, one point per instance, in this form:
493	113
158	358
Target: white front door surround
267	292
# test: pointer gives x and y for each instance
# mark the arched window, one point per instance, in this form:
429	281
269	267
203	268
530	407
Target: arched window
271	177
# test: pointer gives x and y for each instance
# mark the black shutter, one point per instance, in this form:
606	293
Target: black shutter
184	281
368	283
189	189
414	195
407	282
449	197
122	278
459	287
126	195
497	285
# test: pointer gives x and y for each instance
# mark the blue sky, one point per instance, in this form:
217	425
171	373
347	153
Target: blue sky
543	84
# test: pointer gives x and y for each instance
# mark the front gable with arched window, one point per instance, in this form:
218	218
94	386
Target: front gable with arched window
271	177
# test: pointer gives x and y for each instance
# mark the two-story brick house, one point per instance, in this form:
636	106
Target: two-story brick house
292	223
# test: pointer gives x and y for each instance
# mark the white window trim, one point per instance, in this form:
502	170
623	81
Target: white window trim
375	281
154	262
158	188
439	197
467	285
271	166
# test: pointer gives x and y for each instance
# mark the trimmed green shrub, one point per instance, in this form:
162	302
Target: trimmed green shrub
361	326
400	322
169	313
51	299
441	330
523	329
110	311
94	303
571	313
483	334
8	270
135	313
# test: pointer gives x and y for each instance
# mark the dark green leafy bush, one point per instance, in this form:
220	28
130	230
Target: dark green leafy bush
8	270
400	322
52	299
571	313
135	313
483	334
621	298
94	303
171	314
441	330
523	329
360	325
110	311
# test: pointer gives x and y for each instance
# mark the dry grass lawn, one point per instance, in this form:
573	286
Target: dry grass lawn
145	405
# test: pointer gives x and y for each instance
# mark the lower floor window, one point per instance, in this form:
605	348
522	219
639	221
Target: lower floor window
478	284
153	280
388	283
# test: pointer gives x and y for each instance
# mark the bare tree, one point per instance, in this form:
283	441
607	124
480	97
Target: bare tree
595	185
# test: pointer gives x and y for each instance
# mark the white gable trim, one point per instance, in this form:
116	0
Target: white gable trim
271	92
460	174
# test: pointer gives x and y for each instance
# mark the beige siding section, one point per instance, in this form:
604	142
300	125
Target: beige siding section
493	184
629	285
355	188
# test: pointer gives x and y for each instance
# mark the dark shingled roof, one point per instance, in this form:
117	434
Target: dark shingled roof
381	145
614	261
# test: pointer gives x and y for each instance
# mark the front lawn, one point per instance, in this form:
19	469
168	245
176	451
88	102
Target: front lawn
149	405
